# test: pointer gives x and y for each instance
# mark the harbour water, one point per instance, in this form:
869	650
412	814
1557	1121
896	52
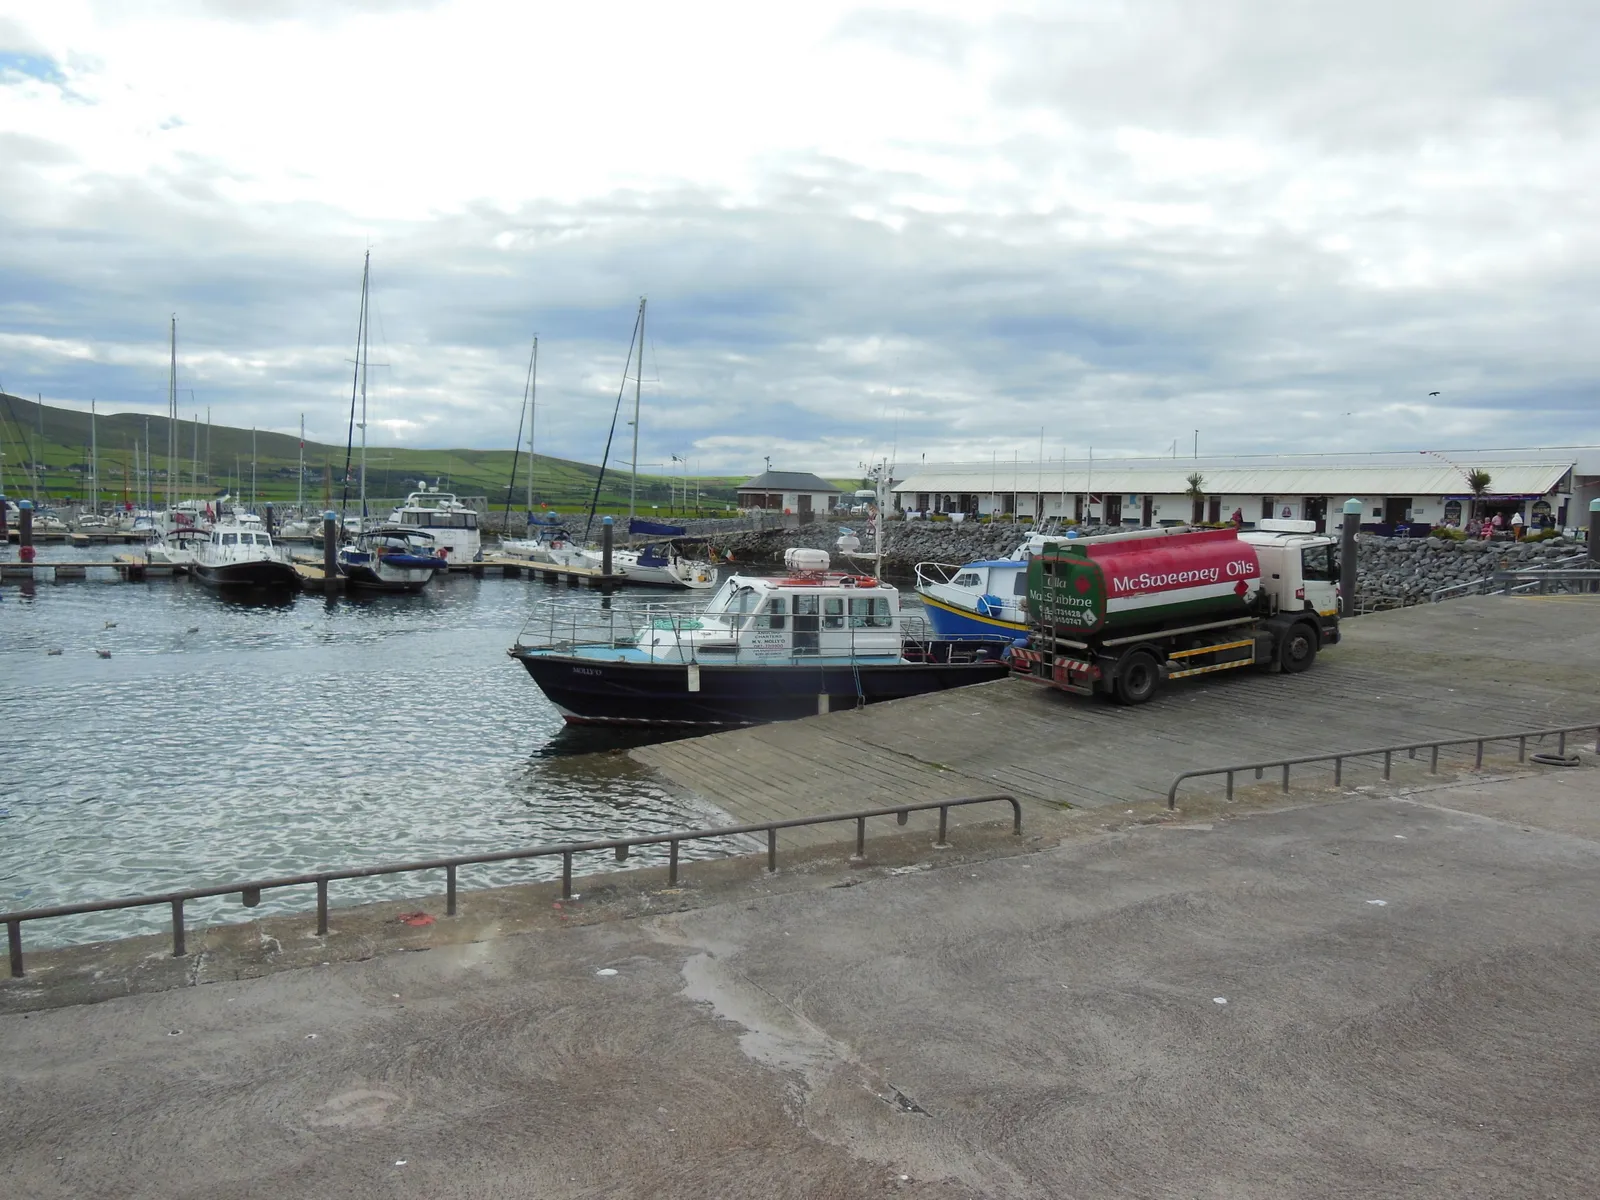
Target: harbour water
227	740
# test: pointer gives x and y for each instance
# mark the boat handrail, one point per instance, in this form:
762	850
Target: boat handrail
563	624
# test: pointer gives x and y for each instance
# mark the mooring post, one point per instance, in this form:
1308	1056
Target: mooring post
25	530
330	552
5	535
1347	558
608	534
1594	534
267	520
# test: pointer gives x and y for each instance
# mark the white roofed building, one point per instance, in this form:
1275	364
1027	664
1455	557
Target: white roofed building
1411	489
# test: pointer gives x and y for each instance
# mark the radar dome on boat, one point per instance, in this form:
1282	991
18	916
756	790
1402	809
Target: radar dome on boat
799	558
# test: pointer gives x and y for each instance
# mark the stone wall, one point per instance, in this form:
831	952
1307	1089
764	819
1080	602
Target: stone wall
1390	569
1408	569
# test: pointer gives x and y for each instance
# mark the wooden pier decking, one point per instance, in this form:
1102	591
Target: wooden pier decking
136	567
1482	665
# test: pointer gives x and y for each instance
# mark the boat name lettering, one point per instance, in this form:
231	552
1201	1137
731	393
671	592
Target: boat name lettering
587	671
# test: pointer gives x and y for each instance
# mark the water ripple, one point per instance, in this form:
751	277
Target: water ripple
280	739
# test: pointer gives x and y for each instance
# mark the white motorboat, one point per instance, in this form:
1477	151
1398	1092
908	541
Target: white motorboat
239	556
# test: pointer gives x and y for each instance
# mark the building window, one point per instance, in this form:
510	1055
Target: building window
1266	508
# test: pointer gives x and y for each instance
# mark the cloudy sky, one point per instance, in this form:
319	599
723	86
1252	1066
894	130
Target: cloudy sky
933	228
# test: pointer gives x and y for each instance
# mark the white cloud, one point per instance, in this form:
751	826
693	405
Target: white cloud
927	225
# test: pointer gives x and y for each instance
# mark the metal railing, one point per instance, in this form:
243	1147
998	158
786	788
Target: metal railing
562	626
1338	758
250	893
1488	583
1543	581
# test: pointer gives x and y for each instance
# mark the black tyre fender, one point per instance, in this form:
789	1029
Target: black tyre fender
1298	646
1139	677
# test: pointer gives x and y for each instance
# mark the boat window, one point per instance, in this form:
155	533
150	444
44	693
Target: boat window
1019	585
833	612
968	579
806	606
870	612
772	617
228	539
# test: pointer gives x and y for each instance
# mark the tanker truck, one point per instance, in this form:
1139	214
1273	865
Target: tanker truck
1123	613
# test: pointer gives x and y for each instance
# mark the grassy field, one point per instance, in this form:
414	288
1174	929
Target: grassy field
56	468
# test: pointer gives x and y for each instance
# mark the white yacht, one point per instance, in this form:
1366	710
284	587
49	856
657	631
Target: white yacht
452	525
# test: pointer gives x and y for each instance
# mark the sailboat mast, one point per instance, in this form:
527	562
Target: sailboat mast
194	464
94	458
252	468
355	385
638	383
300	484
533	409
366	329
172	412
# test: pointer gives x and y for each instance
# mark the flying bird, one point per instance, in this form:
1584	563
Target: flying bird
1433	393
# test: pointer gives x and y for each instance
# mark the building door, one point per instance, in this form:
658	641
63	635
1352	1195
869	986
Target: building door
1113	508
1315	509
1147	516
1214	510
1396	510
805	502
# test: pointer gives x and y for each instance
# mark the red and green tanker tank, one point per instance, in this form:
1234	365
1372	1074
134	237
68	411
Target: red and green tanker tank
1099	586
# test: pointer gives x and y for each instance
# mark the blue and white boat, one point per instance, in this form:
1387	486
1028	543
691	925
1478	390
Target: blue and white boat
985	599
390	559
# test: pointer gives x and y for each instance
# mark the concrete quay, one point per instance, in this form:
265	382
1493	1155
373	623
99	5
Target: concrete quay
1481	665
1374	994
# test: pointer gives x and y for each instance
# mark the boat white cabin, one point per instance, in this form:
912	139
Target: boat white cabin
452	525
808	614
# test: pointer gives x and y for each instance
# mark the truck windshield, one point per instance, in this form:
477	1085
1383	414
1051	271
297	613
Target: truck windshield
1320	564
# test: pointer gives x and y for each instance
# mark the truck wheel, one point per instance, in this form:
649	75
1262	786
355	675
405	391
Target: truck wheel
1138	678
1299	648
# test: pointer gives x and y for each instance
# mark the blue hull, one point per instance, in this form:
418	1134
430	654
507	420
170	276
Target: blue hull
948	621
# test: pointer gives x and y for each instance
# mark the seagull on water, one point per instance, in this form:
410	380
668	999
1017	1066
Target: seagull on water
111	624
103	653
54	650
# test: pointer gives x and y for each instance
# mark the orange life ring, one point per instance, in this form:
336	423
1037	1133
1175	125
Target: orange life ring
866	581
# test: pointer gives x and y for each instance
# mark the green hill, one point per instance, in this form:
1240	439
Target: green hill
54	468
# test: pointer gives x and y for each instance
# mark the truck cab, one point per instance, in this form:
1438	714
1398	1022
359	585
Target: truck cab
1300	569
